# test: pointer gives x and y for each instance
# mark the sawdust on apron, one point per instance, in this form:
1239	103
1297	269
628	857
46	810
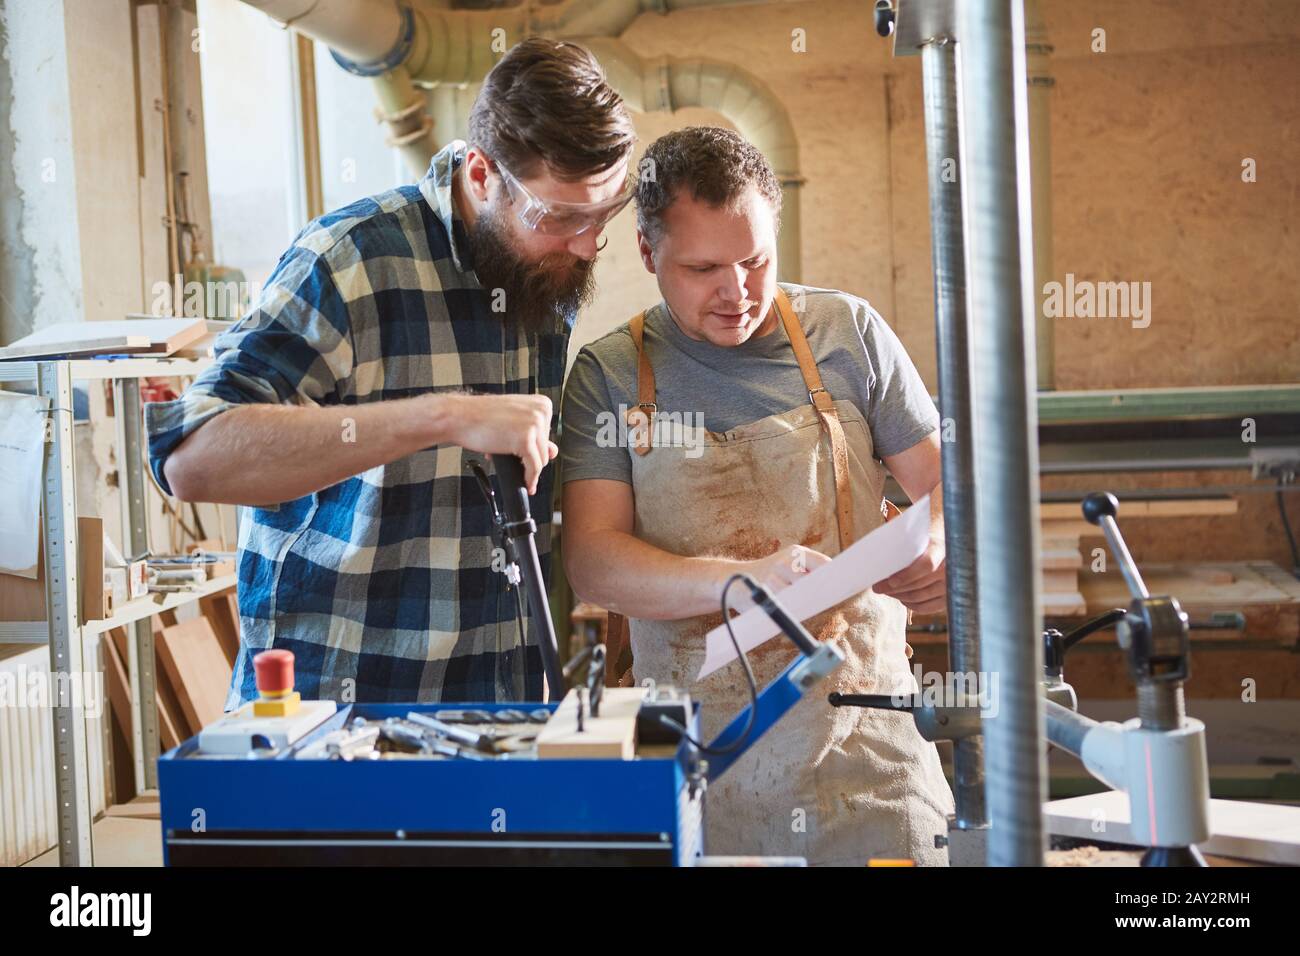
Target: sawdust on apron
834	785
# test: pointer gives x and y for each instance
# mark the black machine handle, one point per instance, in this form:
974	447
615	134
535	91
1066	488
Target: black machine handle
520	529
1100	508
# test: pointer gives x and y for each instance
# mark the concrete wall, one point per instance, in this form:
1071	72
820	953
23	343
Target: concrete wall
83	188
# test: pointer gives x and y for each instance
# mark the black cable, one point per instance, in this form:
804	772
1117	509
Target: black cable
749	676
1290	535
1108	619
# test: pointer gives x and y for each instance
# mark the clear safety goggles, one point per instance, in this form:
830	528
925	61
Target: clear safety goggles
552	218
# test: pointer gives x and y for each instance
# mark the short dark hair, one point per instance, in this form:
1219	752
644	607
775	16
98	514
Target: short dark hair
546	102
715	164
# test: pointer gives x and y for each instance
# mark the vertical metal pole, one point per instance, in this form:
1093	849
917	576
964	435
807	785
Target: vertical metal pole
135	532
939	72
1038	54
995	157
67	664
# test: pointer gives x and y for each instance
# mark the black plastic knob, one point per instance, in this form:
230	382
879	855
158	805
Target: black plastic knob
1100	504
885	18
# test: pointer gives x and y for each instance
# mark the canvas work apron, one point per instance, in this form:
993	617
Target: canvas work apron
834	785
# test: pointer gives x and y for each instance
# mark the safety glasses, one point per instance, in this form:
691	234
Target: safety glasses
562	219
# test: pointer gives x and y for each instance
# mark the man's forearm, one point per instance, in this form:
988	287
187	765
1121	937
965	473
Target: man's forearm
624	574
267	454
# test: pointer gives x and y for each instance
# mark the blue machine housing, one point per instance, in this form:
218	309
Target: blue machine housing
505	811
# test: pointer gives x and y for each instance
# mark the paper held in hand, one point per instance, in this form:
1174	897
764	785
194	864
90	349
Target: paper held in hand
886	551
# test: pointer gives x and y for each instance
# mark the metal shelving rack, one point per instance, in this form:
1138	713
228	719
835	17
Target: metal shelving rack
68	638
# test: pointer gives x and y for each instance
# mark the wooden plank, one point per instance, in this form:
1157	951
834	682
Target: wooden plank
197	668
151	335
1260	590
1057	559
148	335
1242	584
90	568
1055	582
117	678
222	613
1074	528
172	728
1146	508
1064	604
1265	832
612	735
204	347
23	599
169	733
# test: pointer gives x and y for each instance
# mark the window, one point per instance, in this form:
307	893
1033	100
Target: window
249	136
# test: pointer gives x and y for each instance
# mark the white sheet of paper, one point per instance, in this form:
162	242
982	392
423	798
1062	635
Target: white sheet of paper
887	550
22	451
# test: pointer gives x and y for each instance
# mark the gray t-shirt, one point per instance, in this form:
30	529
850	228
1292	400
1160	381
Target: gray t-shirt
859	358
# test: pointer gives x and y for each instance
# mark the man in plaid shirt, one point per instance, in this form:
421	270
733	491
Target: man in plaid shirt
399	339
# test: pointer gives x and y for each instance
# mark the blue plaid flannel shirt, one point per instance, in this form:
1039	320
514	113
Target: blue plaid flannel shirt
382	585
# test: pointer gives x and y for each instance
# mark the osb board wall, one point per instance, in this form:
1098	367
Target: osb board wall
1253	533
1147	142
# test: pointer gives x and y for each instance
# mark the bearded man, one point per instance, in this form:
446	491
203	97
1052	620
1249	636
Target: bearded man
399	340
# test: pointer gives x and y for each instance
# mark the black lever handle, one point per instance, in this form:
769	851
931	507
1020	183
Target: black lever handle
1100	508
520	528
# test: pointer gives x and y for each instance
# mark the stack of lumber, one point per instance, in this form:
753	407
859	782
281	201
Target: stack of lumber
194	660
1064	558
140	336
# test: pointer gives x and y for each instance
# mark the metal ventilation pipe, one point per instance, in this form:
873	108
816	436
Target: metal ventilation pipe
401	44
671	84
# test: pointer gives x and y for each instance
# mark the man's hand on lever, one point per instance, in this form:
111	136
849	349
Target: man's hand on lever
517	425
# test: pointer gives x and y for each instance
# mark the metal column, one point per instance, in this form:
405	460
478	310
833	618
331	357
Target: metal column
995	167
1038	54
67	662
135	534
939	70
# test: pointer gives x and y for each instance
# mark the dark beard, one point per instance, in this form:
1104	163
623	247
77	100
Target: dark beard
538	295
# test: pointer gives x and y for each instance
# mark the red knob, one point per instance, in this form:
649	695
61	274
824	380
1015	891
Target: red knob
274	672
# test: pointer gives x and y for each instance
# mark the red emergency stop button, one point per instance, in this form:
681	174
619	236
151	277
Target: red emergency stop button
274	670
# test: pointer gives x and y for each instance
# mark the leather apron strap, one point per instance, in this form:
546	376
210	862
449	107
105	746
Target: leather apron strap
640	417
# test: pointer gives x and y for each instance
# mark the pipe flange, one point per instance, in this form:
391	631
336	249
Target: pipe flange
394	58
426	125
403	114
658	86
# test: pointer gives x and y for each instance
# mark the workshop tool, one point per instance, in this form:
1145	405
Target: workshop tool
457	735
514	529
352	743
273	671
425	783
272	723
1158	758
593	656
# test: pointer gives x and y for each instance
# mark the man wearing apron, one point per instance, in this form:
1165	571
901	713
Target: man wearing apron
744	426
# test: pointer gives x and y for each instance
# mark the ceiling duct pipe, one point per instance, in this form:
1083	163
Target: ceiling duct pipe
401	45
670	84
